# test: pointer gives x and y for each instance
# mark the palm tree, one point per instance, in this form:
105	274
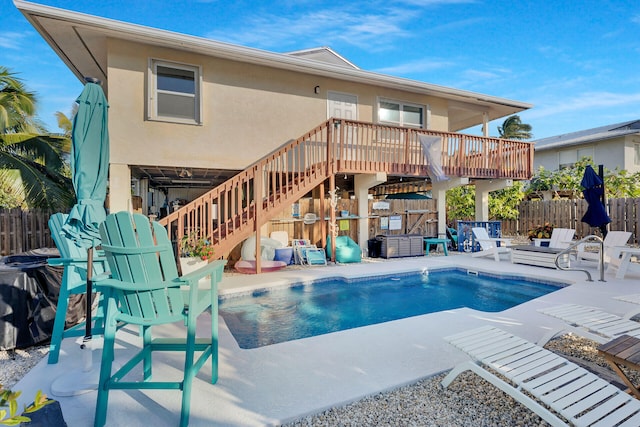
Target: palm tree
66	123
28	151
17	104
513	128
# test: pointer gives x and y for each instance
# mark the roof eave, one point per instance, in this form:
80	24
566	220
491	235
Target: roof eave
134	32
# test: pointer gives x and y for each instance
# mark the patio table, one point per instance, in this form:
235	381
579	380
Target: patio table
623	351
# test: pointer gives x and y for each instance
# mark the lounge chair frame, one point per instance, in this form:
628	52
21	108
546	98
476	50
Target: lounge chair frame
562	392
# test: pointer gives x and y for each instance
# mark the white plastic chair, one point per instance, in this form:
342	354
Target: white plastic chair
489	245
560	238
614	241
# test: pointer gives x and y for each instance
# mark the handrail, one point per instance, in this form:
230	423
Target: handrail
587	239
234	210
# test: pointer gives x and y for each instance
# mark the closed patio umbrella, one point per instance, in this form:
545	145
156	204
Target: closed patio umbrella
89	167
593	190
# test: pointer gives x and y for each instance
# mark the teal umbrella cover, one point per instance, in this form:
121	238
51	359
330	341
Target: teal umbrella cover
89	166
89	170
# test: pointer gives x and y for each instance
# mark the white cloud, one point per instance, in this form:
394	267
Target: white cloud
11	40
418	66
371	31
583	101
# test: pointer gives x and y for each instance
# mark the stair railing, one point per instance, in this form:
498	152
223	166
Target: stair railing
238	207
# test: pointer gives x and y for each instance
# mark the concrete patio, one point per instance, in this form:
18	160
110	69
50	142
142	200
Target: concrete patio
282	382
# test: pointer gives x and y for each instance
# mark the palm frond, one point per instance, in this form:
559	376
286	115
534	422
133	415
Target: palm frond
42	187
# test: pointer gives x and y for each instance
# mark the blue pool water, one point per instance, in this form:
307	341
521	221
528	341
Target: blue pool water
330	305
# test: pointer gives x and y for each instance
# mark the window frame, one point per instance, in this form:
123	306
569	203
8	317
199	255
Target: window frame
401	105
567	158
152	101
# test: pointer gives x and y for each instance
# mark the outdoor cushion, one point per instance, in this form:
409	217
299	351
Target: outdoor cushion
346	250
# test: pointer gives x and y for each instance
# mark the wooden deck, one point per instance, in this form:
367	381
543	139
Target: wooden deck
237	208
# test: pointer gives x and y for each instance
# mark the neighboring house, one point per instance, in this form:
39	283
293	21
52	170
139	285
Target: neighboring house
187	113
614	146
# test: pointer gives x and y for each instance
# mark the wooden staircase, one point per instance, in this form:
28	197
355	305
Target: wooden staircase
234	210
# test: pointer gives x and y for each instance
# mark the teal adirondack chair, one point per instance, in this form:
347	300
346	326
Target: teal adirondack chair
145	290
74	281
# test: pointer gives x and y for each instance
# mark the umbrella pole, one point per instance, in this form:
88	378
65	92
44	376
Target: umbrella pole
603	199
85	380
87	330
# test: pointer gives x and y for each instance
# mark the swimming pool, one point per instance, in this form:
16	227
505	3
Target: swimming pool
329	305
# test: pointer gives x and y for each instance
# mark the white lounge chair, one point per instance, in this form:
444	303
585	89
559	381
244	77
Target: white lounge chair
556	385
612	244
594	320
489	245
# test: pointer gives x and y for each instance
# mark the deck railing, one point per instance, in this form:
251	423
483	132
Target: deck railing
235	209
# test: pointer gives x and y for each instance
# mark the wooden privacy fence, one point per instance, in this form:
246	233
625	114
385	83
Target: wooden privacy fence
21	231
624	213
415	217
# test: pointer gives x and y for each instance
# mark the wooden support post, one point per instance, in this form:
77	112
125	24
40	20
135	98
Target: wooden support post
332	216
323	223
257	191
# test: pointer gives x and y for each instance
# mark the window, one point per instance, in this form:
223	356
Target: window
585	152
401	114
567	158
636	154
174	93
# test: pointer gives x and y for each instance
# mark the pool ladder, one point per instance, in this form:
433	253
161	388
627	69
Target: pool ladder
570	249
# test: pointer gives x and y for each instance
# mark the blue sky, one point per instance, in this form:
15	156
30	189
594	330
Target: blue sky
577	61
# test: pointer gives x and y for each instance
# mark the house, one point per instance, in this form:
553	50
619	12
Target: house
614	146
261	129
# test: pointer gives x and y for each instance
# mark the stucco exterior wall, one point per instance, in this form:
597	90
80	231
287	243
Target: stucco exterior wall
610	153
629	153
248	110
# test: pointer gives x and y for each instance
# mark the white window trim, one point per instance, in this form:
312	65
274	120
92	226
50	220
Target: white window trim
152	106
426	112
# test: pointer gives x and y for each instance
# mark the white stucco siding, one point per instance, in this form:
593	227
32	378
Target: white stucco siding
630	154
247	110
610	153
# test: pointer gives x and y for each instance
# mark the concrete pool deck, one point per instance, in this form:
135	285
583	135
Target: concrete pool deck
283	382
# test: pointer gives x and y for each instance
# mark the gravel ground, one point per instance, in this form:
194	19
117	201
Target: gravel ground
15	364
469	400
